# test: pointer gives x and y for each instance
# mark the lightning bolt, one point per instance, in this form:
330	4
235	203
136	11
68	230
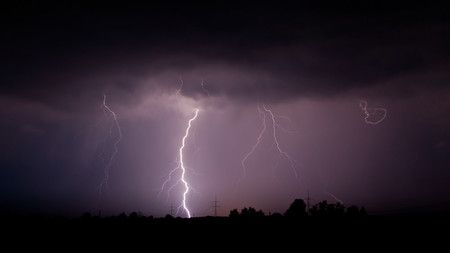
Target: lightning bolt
181	167
265	113
277	143
202	84
178	91
169	178
258	141
104	182
334	197
370	111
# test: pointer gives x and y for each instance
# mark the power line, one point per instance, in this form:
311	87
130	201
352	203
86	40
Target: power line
215	206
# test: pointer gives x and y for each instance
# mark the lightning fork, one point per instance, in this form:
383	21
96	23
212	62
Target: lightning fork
258	141
202	84
182	168
277	144
264	113
104	182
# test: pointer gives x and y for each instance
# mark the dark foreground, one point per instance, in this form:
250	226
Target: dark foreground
342	233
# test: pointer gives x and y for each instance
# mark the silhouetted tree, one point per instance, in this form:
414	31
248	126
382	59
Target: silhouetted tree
339	209
320	209
122	216
323	209
244	212
352	211
234	213
133	216
276	215
335	210
259	213
297	209
86	216
249	212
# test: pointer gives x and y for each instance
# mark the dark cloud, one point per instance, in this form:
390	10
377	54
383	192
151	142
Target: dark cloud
267	52
311	62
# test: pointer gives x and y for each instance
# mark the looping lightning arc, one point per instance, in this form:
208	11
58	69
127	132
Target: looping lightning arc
370	112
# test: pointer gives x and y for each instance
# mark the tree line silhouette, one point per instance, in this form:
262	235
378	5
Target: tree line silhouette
298	209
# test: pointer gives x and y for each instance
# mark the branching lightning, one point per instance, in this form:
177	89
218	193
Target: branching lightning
265	113
371	111
107	169
178	91
181	167
258	141
275	139
169	179
204	88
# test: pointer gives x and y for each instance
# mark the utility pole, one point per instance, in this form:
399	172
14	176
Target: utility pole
215	206
171	210
307	202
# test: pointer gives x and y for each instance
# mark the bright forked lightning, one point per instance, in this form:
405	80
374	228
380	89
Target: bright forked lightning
371	111
104	182
181	167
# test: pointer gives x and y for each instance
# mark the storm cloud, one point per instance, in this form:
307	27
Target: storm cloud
310	63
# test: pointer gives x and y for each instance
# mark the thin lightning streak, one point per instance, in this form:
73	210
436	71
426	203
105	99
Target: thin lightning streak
169	178
285	130
107	169
258	141
178	91
275	125
204	88
275	138
334	197
365	109
183	169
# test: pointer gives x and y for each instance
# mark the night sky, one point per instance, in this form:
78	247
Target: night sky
309	64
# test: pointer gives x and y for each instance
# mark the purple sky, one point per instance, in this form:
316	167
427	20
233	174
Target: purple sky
311	65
